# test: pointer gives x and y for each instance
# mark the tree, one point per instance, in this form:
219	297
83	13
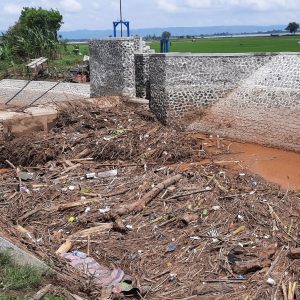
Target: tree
46	20
292	27
165	35
35	33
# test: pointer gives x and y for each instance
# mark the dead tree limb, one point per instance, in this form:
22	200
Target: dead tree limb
139	205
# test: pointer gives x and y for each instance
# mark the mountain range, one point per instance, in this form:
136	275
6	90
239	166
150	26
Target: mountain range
175	31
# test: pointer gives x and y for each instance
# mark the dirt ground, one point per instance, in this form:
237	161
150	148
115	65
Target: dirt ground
207	232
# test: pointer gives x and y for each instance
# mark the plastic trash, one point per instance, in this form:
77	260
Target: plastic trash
111	173
171	248
87	210
104	210
25	176
72	219
205	212
90	175
271	281
101	275
217	207
213	233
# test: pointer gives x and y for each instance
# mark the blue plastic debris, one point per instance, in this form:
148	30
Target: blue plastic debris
171	248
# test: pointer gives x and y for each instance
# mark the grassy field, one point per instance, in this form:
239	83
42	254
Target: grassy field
215	45
18	281
234	45
69	58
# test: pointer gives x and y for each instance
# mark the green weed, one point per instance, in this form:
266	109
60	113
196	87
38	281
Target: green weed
14	277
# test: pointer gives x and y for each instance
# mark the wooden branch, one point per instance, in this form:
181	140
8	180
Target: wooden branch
85	202
41	293
73	204
139	205
190	193
65	247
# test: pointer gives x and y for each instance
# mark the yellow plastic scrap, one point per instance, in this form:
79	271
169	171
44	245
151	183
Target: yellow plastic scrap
239	230
72	219
205	212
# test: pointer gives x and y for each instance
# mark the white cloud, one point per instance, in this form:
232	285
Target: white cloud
168	5
98	14
71	5
250	5
12	9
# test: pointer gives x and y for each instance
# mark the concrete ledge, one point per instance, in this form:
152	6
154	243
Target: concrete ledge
20	256
33	119
61	92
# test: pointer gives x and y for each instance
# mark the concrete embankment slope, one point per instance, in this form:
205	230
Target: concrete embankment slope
264	108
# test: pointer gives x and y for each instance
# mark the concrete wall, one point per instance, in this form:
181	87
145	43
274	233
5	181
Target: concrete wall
195	81
251	97
20	256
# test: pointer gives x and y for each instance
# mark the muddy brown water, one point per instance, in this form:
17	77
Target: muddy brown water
274	165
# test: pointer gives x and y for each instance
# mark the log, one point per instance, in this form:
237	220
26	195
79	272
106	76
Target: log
92	231
86	202
64	248
139	205
138	101
213	288
41	293
74	204
29	214
294	253
249	266
188	218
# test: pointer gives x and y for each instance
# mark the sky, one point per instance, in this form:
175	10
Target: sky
99	14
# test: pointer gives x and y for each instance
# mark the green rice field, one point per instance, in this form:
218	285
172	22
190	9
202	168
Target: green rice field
234	45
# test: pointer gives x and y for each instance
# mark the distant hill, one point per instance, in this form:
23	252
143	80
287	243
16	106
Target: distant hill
175	31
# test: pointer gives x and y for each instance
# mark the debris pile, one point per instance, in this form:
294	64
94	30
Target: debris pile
114	186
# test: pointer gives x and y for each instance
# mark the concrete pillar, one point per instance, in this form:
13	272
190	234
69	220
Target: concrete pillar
112	67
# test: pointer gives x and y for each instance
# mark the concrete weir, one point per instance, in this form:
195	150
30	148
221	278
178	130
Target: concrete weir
251	97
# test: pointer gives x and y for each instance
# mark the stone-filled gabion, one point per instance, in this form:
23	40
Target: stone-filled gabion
112	67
